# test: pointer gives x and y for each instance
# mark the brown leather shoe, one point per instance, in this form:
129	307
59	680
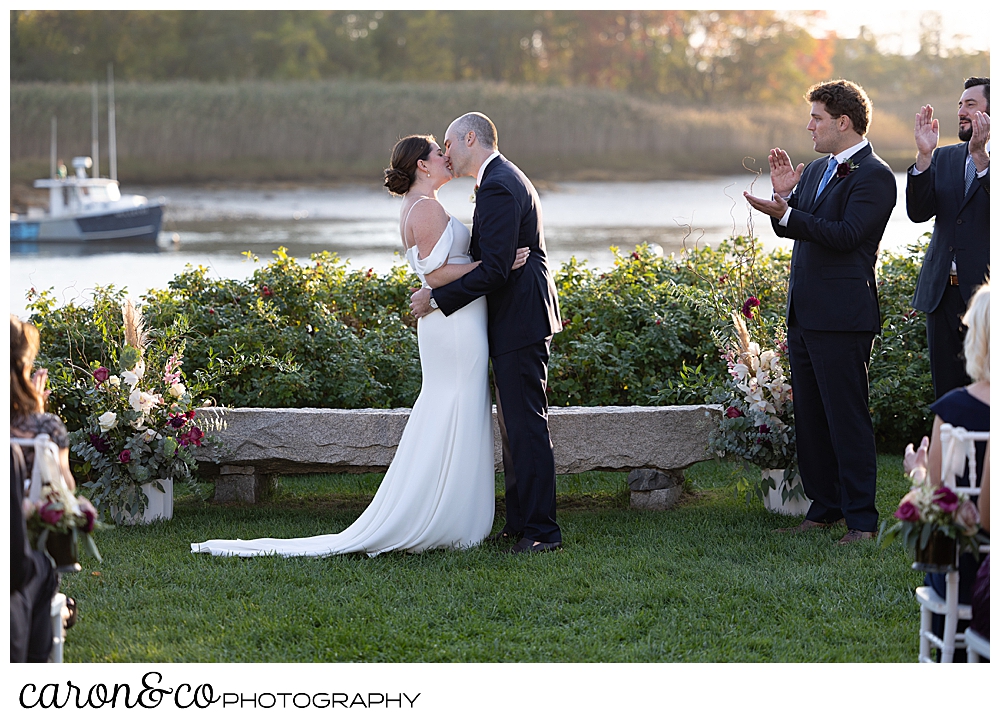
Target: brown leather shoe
855	536
807	525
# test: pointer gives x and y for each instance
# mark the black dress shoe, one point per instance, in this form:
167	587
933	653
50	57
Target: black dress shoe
503	537
526	545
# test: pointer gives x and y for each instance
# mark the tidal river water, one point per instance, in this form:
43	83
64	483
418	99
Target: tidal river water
213	226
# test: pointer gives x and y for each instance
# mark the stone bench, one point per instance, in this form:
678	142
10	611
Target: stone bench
654	444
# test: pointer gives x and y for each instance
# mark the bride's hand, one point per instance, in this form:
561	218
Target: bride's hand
521	257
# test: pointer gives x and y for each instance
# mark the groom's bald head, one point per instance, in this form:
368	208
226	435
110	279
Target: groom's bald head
478	123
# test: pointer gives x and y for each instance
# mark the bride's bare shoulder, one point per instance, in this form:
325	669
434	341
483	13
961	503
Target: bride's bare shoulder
423	223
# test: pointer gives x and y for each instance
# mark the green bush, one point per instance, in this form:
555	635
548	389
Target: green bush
316	334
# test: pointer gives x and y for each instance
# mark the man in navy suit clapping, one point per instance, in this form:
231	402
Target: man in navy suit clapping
836	210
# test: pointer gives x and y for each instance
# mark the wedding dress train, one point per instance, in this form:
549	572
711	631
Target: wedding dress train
439	489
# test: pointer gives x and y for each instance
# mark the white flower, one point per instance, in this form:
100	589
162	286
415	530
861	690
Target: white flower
150	435
108	421
143	401
114	381
139	368
131	378
177	390
740	370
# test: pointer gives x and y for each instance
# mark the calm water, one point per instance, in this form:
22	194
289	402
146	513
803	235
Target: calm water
215	226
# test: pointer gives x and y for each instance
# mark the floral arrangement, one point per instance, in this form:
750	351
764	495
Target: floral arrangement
846	168
928	509
142	427
57	511
757	424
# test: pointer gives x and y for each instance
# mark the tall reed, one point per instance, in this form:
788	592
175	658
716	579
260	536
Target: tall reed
346	129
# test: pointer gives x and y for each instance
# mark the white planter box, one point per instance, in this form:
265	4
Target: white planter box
773	501
160	506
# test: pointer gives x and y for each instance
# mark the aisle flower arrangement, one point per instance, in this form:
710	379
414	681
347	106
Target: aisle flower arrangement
57	513
142	427
934	516
757	423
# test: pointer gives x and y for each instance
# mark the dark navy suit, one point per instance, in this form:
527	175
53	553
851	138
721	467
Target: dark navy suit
962	232
833	317
523	316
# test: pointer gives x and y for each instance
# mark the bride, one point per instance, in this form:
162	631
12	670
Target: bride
439	489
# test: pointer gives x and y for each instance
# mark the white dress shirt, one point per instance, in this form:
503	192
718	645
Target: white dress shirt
841	157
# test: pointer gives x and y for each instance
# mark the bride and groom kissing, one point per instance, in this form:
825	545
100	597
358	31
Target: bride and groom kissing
486	297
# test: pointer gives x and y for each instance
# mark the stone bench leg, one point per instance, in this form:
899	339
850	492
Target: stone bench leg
654	489
242	484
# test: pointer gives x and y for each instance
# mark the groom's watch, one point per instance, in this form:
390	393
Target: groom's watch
433	301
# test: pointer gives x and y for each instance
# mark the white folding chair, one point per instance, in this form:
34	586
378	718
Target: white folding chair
58	627
976	646
958	448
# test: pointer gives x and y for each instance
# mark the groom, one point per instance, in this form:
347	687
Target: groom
523	316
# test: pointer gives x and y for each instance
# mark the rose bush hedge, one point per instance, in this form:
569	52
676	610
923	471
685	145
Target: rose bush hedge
318	334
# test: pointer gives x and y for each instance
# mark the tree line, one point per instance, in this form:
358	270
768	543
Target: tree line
690	56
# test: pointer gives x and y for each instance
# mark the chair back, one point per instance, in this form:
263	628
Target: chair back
958	447
45	469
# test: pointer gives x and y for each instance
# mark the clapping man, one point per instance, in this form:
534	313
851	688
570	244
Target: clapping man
836	214
952	186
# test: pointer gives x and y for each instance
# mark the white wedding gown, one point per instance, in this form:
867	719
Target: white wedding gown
438	491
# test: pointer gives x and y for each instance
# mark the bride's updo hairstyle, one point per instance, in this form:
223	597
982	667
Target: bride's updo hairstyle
402	170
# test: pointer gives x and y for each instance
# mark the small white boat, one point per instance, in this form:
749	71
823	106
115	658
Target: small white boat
87	209
83	208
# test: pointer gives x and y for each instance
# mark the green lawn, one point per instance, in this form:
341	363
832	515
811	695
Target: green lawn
706	581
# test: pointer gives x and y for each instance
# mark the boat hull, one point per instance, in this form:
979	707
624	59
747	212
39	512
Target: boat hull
133	225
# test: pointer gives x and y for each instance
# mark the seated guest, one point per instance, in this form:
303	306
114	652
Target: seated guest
967	407
27	398
33	581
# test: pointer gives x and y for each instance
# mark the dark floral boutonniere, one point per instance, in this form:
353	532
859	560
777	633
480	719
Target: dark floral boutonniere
844	169
472	198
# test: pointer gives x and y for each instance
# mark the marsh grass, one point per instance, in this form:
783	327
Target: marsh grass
345	130
705	581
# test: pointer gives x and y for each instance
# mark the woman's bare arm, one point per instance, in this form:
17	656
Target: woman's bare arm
450	272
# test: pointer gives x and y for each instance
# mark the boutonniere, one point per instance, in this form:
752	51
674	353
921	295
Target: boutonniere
844	169
472	198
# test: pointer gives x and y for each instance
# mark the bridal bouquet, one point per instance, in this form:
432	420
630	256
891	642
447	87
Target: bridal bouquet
142	427
757	424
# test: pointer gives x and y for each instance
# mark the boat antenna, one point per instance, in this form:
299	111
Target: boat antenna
52	150
95	150
112	145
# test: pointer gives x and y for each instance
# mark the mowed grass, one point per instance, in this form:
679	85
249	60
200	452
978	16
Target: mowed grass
705	581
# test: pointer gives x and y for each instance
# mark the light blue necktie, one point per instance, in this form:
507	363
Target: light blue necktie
970	173
831	167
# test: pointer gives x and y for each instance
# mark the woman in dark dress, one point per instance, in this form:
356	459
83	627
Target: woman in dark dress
967	407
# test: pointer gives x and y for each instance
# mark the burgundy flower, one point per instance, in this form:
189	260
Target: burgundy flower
99	443
192	436
90	517
844	169
101	375
265	290
763	429
189	414
635	255
179	421
50	514
907	512
946	499
125	456
749	305
733	413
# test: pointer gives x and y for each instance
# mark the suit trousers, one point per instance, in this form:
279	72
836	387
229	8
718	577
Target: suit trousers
834	437
520	377
946	341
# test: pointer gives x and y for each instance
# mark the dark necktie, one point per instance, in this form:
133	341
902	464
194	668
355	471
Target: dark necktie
970	173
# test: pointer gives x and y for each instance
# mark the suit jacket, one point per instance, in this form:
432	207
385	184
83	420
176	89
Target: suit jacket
832	282
961	225
523	308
